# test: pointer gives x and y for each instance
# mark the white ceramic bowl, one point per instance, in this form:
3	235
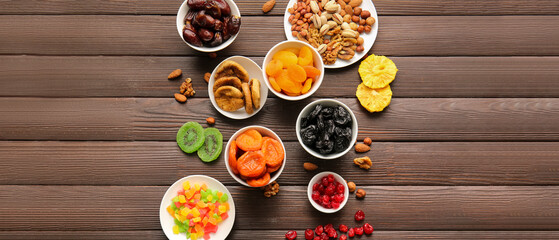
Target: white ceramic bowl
167	222
316	179
180	24
330	103
266	132
317	59
254	71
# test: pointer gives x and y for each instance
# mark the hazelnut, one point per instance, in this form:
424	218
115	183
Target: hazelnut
357	11
351	186
362	22
368	141
367	29
360	193
360	29
360	41
370	21
347	18
294	33
210	120
355	18
360	48
365	14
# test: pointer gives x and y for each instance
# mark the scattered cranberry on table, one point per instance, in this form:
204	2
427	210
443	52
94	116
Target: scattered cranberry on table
329	232
343	228
368	228
309	234
358	231
351	232
290	235
343	237
359	216
319	230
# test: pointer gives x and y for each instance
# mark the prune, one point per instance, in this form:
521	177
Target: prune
190	15
223	6
218	26
205	34
329	127
309	134
320	123
203	20
191	37
314	113
305	122
327	112
196	4
217	39
327	147
342	138
341	116
213	10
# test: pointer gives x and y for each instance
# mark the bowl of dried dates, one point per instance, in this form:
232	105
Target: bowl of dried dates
328	192
293	70
326	128
208	25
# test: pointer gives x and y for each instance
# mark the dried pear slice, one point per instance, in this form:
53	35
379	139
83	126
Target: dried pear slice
255	92
227	81
232	69
248	99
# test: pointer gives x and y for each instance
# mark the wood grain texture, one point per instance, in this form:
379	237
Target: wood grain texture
406	119
399	35
248	7
105	76
161	163
59	208
279	235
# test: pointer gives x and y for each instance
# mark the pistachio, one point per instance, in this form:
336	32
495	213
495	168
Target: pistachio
316	20
323	20
323	3
345	26
324	29
337	18
314	7
348	33
332	24
331	7
322	48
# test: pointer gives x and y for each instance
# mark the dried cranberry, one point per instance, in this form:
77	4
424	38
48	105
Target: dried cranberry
334	205
343	237
330	178
309	234
315	187
324	236
332	233
367	228
325	181
351	232
315	195
327	227
359	215
316	238
340	189
291	235
358	231
319	229
343	228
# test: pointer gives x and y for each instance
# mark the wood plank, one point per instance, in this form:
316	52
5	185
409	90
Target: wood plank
406	119
105	76
248	7
161	163
157	35
279	234
388	208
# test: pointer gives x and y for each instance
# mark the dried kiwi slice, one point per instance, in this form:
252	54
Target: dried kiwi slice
190	137
211	149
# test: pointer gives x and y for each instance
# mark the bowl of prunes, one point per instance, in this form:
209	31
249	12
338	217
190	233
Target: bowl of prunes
208	25
326	128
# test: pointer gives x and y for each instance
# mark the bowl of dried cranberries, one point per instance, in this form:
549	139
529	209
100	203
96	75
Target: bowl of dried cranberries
328	192
326	128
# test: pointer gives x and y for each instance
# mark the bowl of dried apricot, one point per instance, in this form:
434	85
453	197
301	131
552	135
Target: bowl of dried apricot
255	156
293	70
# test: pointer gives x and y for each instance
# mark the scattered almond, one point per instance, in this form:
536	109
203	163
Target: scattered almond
361	148
175	74
363	162
207	76
268	6
367	141
310	166
210	120
180	98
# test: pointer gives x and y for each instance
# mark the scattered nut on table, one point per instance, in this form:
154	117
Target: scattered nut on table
360	193
180	98
310	166
207	77
363	162
271	189
351	186
367	141
361	148
175	74
268	6
210	120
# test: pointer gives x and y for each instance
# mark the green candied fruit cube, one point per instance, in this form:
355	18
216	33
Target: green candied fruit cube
173	207
187	234
182	229
224	198
215	216
176	199
186	223
203	194
177	222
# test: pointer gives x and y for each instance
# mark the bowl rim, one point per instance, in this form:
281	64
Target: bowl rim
313	180
232	115
235	135
180	25
318	82
354	132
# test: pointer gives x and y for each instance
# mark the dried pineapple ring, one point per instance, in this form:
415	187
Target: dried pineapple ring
374	100
377	71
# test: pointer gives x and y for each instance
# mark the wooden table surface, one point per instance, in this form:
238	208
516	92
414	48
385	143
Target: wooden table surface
468	148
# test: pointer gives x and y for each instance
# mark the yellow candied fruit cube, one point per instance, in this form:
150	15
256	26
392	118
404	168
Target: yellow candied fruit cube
219	194
209	197
170	210
204	187
197	187
226	205
197	219
190	193
201	204
182	199
181	218
185	211
205	221
222	209
176	229
193	236
195	212
186	185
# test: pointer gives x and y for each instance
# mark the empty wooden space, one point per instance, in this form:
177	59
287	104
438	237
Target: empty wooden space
467	149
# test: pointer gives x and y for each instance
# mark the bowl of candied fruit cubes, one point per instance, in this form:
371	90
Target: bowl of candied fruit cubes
328	192
326	128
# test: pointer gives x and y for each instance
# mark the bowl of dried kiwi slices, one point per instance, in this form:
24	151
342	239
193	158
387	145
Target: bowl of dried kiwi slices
207	143
326	128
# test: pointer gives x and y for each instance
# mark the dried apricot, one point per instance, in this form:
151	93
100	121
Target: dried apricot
250	140
259	182
252	164
293	50
305	56
296	73
286	57
273	152
274	67
233	157
311	71
307	86
271	170
287	85
274	84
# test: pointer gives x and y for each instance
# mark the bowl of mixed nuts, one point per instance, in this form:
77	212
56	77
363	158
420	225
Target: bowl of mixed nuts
208	25
342	31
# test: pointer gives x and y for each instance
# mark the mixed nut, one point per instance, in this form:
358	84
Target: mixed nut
209	23
332	27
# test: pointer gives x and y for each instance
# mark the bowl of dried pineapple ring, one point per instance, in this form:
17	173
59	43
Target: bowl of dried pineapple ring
376	72
293	70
